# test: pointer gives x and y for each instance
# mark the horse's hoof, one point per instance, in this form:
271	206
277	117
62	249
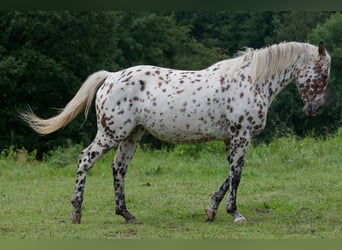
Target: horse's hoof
239	219
210	215
76	217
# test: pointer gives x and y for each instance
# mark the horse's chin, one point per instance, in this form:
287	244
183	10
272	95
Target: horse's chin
311	109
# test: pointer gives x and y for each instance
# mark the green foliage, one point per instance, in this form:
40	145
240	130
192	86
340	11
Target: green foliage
150	38
44	58
231	31
294	25
157	39
20	155
63	156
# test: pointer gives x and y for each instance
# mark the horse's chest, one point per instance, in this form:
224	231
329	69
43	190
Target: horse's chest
247	111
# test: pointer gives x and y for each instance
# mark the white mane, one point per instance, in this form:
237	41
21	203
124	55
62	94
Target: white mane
276	58
270	60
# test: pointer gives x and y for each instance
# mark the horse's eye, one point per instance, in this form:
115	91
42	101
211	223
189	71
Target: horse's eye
324	76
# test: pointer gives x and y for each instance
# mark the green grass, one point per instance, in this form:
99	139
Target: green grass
290	189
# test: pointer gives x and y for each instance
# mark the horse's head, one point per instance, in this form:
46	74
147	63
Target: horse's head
313	79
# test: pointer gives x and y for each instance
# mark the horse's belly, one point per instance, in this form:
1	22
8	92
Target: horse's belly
180	137
178	129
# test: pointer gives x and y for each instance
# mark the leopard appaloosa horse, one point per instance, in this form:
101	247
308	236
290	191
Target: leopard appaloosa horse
227	101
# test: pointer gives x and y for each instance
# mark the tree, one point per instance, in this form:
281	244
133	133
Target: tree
45	56
231	31
294	25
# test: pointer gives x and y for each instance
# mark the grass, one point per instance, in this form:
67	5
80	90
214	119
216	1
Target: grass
290	189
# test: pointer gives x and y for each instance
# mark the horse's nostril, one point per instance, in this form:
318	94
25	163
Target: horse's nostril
312	108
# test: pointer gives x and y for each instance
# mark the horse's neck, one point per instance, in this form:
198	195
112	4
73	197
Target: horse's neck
275	83
278	77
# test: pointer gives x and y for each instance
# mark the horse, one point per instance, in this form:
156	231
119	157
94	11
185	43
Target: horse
227	101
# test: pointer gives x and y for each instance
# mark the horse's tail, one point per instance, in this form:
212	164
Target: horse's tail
81	101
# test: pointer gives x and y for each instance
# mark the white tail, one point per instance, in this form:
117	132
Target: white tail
81	101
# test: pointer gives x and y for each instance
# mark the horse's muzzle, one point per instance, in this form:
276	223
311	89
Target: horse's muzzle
312	108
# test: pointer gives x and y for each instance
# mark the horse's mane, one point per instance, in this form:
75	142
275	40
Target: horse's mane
270	60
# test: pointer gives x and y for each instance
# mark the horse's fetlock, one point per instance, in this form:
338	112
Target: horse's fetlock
231	210
119	211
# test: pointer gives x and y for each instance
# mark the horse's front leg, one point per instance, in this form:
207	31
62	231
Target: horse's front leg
236	150
236	161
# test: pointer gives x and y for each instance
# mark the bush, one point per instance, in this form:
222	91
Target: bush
63	156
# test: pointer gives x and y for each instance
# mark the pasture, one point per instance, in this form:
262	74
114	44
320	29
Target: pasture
290	188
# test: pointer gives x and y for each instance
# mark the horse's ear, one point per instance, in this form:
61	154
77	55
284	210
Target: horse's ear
321	49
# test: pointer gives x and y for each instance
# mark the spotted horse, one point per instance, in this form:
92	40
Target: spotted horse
227	101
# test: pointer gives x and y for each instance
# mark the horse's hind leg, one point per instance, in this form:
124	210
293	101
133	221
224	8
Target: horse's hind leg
86	159
124	155
219	194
